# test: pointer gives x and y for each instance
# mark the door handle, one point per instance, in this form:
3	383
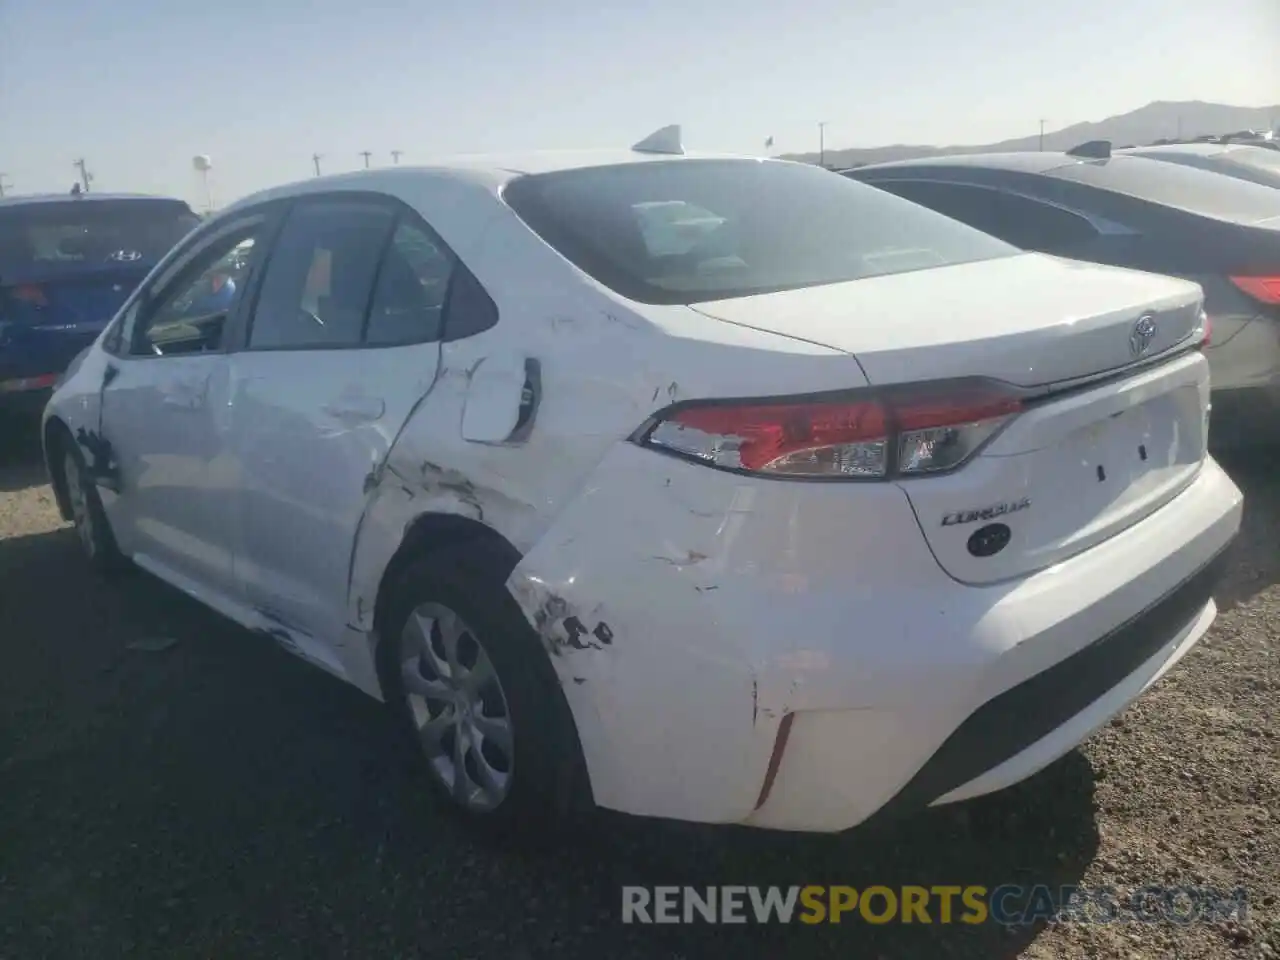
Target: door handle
355	409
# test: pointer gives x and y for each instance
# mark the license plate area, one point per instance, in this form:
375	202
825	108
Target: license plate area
1103	474
1078	470
1120	452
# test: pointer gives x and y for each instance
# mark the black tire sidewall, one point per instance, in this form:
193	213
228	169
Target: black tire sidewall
471	580
106	557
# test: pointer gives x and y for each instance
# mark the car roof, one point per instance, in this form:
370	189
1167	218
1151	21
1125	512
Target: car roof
41	198
490	171
1188	149
1027	162
1198	191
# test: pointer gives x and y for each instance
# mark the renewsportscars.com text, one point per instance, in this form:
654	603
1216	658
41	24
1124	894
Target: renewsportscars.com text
1008	904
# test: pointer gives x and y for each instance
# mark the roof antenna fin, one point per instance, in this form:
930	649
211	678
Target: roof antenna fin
666	140
1093	150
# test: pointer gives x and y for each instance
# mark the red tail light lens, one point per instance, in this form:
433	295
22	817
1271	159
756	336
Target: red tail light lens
30	293
861	435
1263	289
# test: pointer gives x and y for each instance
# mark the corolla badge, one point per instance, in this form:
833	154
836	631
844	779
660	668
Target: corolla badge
959	517
125	256
1144	331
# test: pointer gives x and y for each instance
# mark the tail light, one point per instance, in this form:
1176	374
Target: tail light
1263	289
30	293
856	435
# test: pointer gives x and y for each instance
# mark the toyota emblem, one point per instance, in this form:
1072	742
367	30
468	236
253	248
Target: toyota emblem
1144	331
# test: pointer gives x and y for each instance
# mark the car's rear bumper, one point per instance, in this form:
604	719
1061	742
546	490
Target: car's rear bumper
1245	371
30	355
1020	730
792	656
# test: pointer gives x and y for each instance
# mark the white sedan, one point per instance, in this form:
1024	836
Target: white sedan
841	507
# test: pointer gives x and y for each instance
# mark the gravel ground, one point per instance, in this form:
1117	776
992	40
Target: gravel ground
220	799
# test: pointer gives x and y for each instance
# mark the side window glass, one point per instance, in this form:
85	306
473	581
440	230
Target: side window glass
413	282
320	276
190	316
470	309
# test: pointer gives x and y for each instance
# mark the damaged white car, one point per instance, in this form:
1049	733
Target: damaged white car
805	504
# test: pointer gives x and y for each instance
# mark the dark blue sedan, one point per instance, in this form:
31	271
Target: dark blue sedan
67	263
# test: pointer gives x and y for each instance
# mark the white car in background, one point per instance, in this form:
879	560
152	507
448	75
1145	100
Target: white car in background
847	507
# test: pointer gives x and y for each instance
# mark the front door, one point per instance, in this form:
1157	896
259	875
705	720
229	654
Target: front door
342	345
165	415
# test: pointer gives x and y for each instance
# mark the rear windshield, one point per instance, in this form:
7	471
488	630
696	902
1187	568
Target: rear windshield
1175	185
1260	158
688	231
67	234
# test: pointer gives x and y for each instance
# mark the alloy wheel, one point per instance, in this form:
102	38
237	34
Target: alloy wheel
78	498
458	706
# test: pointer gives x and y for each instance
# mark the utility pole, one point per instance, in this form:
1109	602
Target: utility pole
366	154
822	143
3	177
1042	123
85	175
396	155
315	160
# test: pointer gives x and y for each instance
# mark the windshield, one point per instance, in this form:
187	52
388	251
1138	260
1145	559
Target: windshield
65	236
688	231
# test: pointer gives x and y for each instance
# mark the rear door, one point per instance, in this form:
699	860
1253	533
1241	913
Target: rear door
343	342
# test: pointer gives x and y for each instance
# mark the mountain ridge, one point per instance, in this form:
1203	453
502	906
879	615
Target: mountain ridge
1157	120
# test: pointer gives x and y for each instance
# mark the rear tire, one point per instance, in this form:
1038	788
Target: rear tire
93	529
476	697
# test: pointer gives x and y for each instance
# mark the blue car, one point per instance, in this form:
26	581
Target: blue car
67	263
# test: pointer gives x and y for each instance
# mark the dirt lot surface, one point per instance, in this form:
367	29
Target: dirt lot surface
218	799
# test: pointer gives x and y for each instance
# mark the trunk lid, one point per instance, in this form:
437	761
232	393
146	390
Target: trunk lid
1081	463
1028	320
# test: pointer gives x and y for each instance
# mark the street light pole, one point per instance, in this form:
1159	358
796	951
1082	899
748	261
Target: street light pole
85	176
822	143
1042	136
315	159
3	177
366	154
396	155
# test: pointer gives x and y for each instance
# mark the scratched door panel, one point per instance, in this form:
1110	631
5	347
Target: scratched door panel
310	429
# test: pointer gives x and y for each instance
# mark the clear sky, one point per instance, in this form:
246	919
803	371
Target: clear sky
140	86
